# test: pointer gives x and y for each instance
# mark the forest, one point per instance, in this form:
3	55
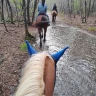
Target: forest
25	10
16	26
81	13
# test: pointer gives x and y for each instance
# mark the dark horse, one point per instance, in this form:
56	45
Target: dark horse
54	14
42	23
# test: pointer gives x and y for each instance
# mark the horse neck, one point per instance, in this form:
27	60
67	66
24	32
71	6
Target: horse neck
32	82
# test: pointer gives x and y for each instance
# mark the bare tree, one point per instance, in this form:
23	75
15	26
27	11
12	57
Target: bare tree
35	6
69	9
25	21
24	14
16	11
3	15
85	11
89	9
10	11
28	13
7	9
81	10
93	5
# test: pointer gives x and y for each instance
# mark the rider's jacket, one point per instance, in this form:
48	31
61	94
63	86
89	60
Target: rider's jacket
42	9
55	8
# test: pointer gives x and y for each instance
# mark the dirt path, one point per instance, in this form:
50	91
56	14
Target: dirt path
11	57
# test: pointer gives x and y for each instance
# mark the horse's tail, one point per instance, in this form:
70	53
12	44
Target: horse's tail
44	18
54	13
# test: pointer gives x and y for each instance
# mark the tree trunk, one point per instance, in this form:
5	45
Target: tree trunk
92	9
25	21
81	9
69	9
72	6
2	10
28	14
85	11
24	14
17	17
10	11
89	8
3	16
33	15
82	13
7	9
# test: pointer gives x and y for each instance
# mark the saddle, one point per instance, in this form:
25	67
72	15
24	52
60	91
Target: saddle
41	20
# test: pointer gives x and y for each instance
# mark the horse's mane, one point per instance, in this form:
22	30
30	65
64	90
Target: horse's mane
32	83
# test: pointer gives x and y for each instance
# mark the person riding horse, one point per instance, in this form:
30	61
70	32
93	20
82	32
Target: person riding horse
42	21
54	13
42	10
54	8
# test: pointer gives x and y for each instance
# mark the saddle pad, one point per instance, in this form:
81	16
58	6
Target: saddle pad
54	12
41	20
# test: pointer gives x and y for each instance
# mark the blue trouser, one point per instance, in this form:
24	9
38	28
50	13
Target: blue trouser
42	14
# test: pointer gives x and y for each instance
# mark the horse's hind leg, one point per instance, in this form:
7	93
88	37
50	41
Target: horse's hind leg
40	36
45	29
41	33
52	18
55	19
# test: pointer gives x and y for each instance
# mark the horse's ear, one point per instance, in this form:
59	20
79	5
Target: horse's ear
57	55
31	50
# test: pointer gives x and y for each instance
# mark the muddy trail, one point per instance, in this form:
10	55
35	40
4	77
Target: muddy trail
76	70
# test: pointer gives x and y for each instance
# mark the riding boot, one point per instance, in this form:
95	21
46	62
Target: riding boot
48	23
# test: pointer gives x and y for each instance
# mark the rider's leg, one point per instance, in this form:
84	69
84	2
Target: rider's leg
47	16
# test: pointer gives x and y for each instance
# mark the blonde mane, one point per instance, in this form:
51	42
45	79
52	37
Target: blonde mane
32	83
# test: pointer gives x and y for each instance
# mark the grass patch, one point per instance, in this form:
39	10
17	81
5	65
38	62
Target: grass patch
23	47
92	29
